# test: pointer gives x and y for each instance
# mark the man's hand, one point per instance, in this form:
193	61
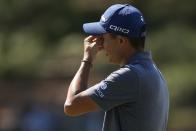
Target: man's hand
92	45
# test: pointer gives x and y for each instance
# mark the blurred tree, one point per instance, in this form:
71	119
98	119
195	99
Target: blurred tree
31	30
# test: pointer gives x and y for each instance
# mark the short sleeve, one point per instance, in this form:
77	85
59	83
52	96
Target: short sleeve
118	88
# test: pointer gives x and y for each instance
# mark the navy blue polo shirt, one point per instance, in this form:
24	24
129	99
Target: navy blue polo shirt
134	98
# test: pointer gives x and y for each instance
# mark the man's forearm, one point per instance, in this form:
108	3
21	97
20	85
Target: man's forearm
78	101
79	82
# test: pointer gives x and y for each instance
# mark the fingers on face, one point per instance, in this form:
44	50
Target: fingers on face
93	37
99	40
96	39
90	38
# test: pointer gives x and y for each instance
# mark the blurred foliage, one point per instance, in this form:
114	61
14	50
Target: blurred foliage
41	39
31	29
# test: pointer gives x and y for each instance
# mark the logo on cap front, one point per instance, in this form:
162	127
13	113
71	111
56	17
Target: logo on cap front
119	29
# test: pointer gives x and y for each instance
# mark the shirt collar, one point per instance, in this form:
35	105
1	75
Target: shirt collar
138	56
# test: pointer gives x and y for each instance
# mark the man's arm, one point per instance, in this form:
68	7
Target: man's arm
78	102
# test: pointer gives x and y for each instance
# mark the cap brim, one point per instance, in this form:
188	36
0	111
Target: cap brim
94	28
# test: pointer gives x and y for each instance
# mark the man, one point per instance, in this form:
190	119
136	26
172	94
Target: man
135	97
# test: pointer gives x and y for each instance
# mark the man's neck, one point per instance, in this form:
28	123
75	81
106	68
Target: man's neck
128	56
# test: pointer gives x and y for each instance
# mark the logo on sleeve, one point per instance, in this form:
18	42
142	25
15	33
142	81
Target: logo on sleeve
100	93
100	90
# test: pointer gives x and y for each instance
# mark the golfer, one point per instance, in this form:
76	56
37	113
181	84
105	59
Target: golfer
135	96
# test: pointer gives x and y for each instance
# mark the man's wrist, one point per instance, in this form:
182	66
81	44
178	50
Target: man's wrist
87	62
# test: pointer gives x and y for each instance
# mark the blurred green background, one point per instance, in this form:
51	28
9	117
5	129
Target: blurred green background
41	45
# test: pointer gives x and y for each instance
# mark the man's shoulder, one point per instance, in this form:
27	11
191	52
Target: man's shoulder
141	65
122	73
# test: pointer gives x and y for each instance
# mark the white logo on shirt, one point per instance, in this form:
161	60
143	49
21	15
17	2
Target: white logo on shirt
100	93
103	87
